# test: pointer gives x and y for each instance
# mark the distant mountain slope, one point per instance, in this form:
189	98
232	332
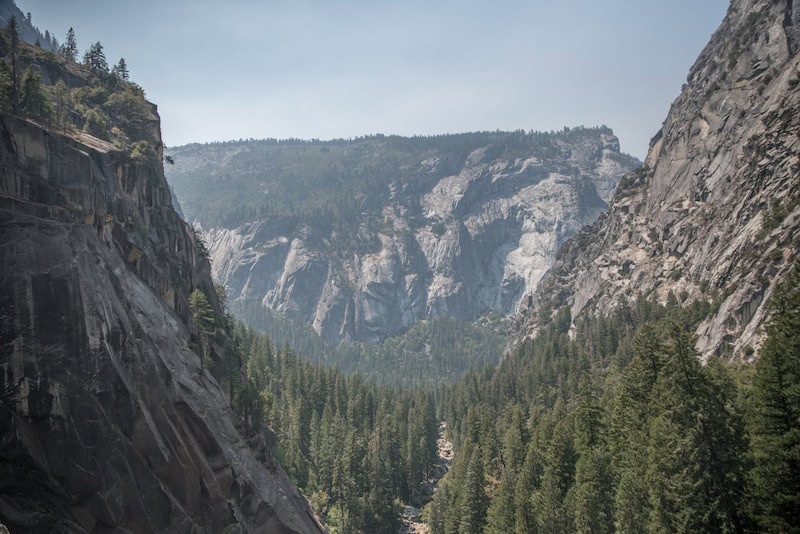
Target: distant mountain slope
715	215
27	31
363	238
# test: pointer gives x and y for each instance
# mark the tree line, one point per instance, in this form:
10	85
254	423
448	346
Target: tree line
429	353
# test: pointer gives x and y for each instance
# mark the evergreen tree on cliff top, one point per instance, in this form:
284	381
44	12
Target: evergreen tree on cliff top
95	59
69	50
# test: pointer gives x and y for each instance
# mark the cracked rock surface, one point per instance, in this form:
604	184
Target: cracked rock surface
107	420
716	214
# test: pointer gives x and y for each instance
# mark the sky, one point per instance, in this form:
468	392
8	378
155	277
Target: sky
343	68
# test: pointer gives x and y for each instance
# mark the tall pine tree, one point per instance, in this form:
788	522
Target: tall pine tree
69	50
474	504
774	417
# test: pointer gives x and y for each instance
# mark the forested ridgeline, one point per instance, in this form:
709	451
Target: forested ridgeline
431	352
622	429
332	185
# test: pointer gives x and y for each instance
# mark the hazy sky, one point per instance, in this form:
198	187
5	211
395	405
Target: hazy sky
341	68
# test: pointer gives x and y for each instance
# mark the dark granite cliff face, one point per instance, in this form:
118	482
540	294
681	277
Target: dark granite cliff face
715	215
108	421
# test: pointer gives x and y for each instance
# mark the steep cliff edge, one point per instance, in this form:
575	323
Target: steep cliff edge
409	228
715	213
108	419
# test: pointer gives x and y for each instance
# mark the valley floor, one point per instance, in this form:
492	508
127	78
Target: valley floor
412	522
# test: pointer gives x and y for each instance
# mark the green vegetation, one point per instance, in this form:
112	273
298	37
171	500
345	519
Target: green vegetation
623	430
202	312
203	315
775	416
617	429
69	50
95	59
429	353
353	447
84	97
330	185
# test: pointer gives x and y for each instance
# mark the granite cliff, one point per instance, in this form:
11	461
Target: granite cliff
714	214
109	421
453	226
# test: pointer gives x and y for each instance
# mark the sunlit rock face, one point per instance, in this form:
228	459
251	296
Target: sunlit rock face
453	234
715	216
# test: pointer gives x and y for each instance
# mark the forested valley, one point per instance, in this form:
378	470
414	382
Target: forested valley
355	448
136	397
619	429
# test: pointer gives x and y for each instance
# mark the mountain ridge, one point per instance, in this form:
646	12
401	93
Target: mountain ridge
714	215
456	225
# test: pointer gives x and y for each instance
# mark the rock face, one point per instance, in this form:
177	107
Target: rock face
459	236
715	214
107	420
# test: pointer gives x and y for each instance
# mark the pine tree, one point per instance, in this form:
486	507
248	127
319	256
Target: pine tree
69	50
347	485
594	493
774	418
594	487
588	417
13	37
95	59
60	98
6	88
500	515
438	509
297	443
474	505
551	505
629	430
695	454
34	101
323	453
380	500
513	449
631	503
528	482
120	70
203	316
202	312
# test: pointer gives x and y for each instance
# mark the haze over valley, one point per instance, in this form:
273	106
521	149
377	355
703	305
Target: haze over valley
436	270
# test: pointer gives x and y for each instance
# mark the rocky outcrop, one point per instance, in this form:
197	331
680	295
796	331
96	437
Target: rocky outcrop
460	238
108	419
715	215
